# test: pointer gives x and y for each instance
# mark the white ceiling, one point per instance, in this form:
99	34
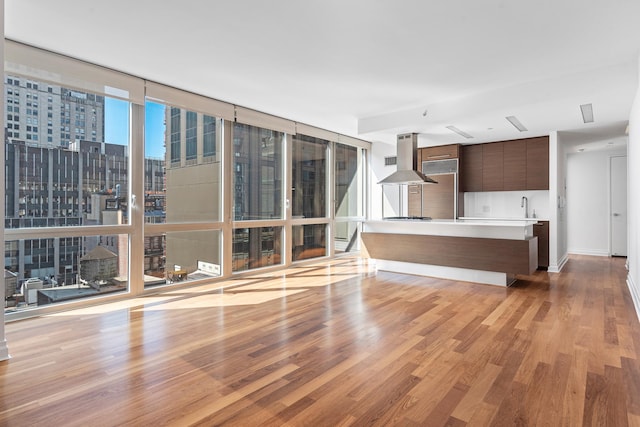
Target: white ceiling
369	68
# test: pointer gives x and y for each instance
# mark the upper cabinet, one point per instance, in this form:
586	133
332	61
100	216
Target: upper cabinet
515	165
493	166
471	168
538	163
440	152
521	164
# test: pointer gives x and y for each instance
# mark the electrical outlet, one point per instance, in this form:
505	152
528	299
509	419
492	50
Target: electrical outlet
486	209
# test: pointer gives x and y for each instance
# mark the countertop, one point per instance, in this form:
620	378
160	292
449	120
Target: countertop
481	218
483	228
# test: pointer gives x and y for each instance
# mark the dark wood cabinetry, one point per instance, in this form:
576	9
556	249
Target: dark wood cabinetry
515	165
438	201
435	201
521	164
415	199
541	231
492	166
538	163
440	152
471	168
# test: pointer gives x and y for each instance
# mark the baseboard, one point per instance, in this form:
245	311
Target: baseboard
590	252
635	294
558	268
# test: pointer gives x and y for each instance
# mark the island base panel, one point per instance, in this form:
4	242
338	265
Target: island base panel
449	273
495	255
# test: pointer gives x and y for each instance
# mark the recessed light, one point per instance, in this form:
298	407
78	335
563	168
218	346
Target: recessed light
581	149
459	132
516	123
610	143
587	113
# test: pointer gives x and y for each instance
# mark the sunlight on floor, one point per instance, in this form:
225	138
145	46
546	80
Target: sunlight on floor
256	289
222	300
113	306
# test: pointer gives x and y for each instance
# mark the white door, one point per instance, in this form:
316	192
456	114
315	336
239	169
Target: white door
619	206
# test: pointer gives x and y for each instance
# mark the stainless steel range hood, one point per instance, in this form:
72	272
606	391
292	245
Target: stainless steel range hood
407	172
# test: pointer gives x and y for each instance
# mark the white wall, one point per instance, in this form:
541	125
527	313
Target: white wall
633	158
506	204
557	217
561	203
588	180
379	171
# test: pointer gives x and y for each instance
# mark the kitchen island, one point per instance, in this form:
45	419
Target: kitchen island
482	251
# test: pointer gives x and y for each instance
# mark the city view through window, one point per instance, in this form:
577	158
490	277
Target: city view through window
60	171
68	166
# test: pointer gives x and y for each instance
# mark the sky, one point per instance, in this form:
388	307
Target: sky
117	112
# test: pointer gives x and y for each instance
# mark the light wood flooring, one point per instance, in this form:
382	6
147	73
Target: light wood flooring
335	344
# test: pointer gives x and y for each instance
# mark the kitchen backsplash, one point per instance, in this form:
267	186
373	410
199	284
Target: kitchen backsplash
506	204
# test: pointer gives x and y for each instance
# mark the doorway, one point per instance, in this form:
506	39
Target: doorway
618	205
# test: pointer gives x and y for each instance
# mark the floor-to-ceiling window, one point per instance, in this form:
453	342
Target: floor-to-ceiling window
258	170
309	196
349	188
115	185
183	187
67	181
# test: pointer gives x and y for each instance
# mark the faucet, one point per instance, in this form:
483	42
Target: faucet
524	203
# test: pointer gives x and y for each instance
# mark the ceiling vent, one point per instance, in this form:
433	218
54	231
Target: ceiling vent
459	132
587	113
516	123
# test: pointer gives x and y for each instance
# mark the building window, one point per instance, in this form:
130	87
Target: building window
257	172
177	257
178	194
349	181
308	241
208	136
256	247
192	135
309	177
175	134
99	173
45	269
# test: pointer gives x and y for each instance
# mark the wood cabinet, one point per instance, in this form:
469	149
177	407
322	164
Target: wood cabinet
470	171
438	200
515	165
435	201
538	163
521	164
414	206
541	231
440	152
493	166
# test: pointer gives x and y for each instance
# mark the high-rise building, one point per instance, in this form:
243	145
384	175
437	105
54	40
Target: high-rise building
57	186
49	115
193	169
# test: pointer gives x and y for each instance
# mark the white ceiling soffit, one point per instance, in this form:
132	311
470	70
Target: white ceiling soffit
366	69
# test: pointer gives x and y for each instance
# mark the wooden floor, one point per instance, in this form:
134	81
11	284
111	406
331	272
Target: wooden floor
337	345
